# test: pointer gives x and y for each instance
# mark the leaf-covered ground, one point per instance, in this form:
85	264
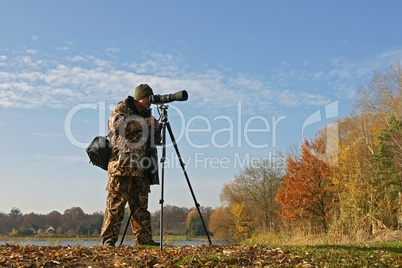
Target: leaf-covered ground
188	256
193	256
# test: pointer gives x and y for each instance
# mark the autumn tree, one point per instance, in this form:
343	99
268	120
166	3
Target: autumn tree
250	197
388	171
306	195
15	213
382	97
72	219
352	182
6	223
381	102
174	219
194	223
33	220
221	223
53	219
367	183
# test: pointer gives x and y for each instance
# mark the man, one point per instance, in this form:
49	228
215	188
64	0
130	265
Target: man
132	167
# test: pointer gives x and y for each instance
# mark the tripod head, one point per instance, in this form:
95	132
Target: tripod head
163	112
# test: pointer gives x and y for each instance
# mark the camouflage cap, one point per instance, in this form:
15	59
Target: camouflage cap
142	91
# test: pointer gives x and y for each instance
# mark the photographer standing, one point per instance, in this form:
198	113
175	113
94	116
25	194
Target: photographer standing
133	167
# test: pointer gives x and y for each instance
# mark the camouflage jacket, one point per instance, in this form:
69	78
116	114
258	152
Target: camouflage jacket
134	150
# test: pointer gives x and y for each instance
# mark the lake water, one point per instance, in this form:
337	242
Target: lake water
90	243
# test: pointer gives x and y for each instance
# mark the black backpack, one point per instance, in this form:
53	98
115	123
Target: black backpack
99	151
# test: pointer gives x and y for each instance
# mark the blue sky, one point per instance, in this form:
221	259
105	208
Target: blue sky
258	73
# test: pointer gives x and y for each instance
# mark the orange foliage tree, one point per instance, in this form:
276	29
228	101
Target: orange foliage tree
306	195
222	223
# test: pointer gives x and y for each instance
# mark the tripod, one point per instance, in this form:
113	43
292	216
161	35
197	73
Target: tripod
166	125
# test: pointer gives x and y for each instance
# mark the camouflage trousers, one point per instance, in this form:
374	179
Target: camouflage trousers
123	190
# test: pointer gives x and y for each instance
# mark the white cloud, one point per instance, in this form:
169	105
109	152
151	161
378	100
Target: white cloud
287	98
64	48
31	51
63	82
313	99
77	58
391	55
113	50
61	160
49	135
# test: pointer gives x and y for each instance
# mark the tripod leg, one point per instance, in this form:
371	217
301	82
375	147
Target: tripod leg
125	230
161	201
187	179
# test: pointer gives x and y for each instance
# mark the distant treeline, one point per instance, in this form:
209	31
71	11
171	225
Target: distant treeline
75	222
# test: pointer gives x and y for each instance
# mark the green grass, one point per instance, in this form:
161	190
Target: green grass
368	255
319	250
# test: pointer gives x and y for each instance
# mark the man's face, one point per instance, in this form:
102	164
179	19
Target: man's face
145	102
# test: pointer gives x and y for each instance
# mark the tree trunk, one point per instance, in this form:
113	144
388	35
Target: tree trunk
400	211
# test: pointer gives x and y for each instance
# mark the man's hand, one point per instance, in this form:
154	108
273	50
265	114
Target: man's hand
152	122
